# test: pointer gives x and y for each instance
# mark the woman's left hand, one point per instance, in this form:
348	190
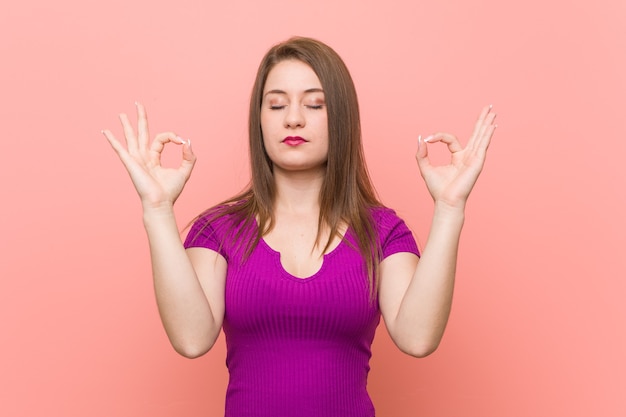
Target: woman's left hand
451	184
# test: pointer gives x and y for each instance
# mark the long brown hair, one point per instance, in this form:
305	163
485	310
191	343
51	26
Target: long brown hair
347	194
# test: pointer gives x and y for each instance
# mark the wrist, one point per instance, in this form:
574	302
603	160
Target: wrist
157	205
154	213
452	213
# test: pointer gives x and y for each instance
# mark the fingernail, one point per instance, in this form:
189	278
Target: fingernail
180	140
419	142
490	106
428	139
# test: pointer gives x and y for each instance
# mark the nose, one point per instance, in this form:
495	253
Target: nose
294	117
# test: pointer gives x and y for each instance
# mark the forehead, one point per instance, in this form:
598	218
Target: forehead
291	76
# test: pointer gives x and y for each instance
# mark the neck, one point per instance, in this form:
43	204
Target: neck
298	192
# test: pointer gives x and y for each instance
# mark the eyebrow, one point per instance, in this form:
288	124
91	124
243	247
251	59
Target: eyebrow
310	90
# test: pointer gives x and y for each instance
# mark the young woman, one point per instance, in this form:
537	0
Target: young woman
299	267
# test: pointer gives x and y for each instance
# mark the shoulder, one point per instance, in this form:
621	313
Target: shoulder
212	227
393	233
385	219
215	218
383	214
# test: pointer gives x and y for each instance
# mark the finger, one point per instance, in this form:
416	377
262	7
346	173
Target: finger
115	144
485	111
143	134
422	155
129	134
156	149
117	147
488	121
481	119
485	118
485	138
189	159
481	141
450	140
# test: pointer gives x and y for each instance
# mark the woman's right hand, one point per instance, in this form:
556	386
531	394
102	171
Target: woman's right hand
156	185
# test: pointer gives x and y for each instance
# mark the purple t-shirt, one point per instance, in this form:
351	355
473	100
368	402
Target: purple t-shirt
299	347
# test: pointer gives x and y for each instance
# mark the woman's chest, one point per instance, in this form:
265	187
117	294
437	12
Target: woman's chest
263	299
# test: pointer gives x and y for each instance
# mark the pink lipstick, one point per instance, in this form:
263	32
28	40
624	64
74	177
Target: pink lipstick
293	140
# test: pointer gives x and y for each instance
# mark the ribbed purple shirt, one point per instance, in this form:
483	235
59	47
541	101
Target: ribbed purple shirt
299	347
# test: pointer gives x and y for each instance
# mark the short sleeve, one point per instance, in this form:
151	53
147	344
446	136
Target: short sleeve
393	233
202	234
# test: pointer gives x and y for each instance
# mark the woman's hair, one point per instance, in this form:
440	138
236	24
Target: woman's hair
347	194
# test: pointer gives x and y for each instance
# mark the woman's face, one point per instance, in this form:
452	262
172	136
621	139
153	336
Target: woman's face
294	121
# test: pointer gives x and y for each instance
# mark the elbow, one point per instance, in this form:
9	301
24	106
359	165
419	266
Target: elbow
419	349
418	342
192	350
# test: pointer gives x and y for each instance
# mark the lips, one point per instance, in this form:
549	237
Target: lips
293	140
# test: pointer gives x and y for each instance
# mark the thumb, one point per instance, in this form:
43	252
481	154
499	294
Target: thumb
189	158
421	156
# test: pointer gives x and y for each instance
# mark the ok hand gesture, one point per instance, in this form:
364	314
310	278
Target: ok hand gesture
451	184
156	185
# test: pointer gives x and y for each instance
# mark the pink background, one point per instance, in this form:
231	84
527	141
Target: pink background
538	324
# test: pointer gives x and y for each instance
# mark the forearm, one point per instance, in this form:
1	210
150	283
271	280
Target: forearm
183	306
425	308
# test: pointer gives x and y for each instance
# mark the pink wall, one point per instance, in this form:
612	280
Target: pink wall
538	323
